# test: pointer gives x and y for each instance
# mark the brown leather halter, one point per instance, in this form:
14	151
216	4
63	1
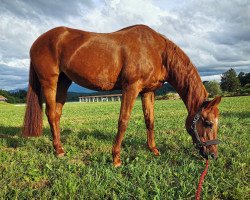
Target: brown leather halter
200	144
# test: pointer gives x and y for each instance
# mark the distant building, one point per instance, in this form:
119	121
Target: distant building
101	98
2	98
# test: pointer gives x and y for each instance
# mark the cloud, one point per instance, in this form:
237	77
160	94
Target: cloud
214	34
13	77
40	9
211	78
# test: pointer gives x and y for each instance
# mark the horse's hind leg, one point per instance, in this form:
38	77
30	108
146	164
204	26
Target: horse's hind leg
148	110
49	87
62	86
55	93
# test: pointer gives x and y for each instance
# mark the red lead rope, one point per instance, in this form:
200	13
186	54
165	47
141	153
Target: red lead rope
199	188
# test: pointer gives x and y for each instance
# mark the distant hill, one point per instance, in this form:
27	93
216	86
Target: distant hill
78	89
74	92
17	90
73	88
166	88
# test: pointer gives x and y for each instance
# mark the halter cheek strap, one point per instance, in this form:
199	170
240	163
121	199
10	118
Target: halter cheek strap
200	143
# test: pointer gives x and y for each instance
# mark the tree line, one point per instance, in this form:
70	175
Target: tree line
231	84
14	97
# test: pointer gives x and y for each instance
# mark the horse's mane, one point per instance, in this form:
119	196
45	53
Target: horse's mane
184	77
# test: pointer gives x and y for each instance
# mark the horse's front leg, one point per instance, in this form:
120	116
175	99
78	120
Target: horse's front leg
148	110
129	95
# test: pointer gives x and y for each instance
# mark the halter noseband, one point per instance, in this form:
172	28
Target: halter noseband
200	143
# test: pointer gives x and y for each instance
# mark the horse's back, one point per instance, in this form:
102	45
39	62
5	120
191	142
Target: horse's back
101	60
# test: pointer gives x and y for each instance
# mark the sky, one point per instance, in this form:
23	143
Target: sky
214	34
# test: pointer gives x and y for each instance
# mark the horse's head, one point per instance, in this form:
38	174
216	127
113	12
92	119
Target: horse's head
205	128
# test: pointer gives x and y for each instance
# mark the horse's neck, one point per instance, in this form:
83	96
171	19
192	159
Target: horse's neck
184	77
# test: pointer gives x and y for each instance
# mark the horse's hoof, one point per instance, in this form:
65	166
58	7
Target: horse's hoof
60	152
117	164
60	155
156	152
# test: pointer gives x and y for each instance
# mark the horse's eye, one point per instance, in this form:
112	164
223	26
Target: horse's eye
208	124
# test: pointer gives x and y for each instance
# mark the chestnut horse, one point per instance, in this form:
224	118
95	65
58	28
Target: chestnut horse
136	60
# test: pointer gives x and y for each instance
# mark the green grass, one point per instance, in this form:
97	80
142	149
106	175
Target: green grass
29	169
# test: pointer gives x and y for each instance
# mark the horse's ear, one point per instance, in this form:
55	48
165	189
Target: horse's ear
214	102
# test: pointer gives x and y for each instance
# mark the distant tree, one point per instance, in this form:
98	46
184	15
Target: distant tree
17	97
229	81
244	78
212	87
21	95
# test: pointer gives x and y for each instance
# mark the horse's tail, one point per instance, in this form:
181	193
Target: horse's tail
34	111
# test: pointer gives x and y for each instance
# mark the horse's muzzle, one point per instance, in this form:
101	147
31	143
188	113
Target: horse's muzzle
206	155
213	156
203	153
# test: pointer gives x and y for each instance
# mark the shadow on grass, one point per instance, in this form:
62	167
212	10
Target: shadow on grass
14	139
131	144
240	115
130	141
13	136
97	134
134	142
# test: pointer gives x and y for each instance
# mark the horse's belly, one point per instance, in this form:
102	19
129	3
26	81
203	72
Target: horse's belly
93	75
101	80
95	65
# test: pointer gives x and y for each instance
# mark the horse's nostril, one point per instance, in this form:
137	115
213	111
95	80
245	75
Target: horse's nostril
213	156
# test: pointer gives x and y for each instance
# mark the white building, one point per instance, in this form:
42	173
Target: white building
2	98
101	98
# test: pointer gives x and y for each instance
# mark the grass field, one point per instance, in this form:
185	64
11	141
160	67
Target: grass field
29	169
